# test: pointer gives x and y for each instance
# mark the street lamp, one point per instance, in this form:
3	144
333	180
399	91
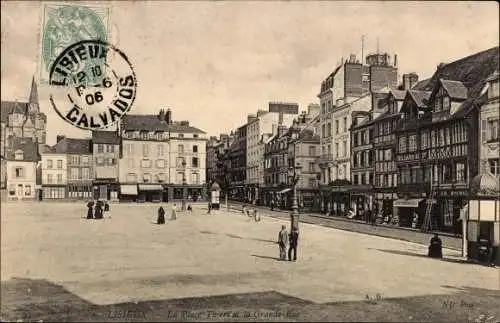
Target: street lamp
183	207
294	216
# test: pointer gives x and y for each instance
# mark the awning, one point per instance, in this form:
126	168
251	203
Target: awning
284	191
128	189
407	203
153	187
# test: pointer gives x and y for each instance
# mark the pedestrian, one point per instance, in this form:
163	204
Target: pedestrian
161	216
106	210
98	210
209	207
414	220
294	239
351	213
189	208
373	217
174	212
435	247
283	242
272	205
90	211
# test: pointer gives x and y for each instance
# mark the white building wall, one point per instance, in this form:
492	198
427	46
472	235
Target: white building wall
22	187
54	172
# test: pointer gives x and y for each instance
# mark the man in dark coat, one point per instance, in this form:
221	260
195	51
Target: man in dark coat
98	210
436	247
161	216
294	239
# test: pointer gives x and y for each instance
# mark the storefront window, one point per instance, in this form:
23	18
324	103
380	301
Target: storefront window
448	213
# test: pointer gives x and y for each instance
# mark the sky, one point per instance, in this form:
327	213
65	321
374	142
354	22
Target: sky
214	62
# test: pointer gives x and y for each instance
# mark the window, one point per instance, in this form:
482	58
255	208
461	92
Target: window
494	166
195	148
145	150
344	145
130	149
180	149
73	173
181	135
312	151
446	173
160	163
100	148
336	126
132	178
49	178
85	173
27	190
59	178
412	143
145	163
160	177
159	150
195	178
493	91
180	160
194	162
424	140
180	177
195	135
49	163
329	150
111	161
19	172
460	175
446	103
146	178
336	149
355	179
345	124
329	130
402	144
311	166
493	130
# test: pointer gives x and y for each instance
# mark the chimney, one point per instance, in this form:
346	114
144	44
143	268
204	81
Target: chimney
395	60
413	78
168	116
352	58
59	138
406	82
251	117
161	115
441	65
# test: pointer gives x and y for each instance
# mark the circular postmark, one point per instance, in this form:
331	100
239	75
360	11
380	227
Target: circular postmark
97	82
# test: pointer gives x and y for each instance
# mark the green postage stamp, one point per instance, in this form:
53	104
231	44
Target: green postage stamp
67	24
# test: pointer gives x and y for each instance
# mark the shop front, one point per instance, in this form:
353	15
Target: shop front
150	193
77	190
407	208
105	189
449	204
128	192
384	204
361	200
309	200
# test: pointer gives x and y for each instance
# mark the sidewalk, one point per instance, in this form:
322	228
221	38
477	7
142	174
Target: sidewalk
386	231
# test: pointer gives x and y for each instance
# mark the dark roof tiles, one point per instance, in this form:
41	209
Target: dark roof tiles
150	122
28	147
73	146
455	89
105	137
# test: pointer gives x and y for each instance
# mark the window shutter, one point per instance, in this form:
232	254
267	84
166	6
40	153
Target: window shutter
484	130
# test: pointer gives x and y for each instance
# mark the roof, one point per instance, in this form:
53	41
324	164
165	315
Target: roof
485	184
420	97
29	148
472	71
398	94
8	107
105	137
420	86
150	122
73	146
455	89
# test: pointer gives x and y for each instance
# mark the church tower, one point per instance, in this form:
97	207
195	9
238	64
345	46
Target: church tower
33	106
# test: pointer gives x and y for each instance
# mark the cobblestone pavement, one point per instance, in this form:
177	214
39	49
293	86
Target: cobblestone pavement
58	266
387	231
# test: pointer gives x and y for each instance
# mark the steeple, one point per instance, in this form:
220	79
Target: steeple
33	100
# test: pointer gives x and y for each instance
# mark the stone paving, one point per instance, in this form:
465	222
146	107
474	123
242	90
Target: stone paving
128	258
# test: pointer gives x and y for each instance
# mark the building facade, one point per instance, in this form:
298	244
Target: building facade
237	165
54	168
437	151
106	154
21	158
490	127
20	120
163	160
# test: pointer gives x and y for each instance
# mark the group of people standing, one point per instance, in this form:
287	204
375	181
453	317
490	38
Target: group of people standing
97	210
288	240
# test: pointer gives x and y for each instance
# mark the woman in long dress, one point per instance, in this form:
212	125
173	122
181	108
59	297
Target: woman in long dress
174	212
90	211
161	216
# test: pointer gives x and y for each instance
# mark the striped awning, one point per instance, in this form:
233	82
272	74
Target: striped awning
128	189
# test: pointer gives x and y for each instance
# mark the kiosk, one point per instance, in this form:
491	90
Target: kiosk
481	228
215	196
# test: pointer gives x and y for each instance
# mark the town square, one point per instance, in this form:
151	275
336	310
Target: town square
250	161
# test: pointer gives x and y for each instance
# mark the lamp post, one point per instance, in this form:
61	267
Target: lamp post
294	216
183	206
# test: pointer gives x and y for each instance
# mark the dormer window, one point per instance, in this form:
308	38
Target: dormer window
494	89
446	103
19	154
438	104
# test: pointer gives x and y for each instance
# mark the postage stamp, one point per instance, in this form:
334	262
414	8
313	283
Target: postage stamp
66	24
92	84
